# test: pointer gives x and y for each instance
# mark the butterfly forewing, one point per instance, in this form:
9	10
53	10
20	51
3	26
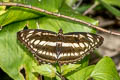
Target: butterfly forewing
50	47
41	43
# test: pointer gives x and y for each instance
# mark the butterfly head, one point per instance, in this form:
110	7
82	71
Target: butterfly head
60	31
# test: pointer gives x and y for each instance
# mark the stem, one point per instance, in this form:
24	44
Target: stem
91	8
59	15
62	78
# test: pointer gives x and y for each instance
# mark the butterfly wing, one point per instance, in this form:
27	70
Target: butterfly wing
41	43
76	45
48	46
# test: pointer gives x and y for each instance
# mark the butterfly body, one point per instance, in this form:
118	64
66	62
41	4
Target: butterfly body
51	47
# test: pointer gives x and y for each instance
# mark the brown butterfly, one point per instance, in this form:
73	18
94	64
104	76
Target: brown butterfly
51	47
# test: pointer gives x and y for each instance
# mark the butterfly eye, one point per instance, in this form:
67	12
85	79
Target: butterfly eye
51	47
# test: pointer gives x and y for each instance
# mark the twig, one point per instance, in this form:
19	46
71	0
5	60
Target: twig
58	15
78	4
91	8
59	74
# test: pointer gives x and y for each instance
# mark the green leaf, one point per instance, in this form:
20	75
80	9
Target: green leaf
71	2
49	78
108	5
14	14
52	6
67	26
45	69
83	8
68	68
12	57
105	70
58	78
82	74
112	2
2	10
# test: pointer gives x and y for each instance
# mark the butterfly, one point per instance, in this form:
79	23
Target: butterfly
51	47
